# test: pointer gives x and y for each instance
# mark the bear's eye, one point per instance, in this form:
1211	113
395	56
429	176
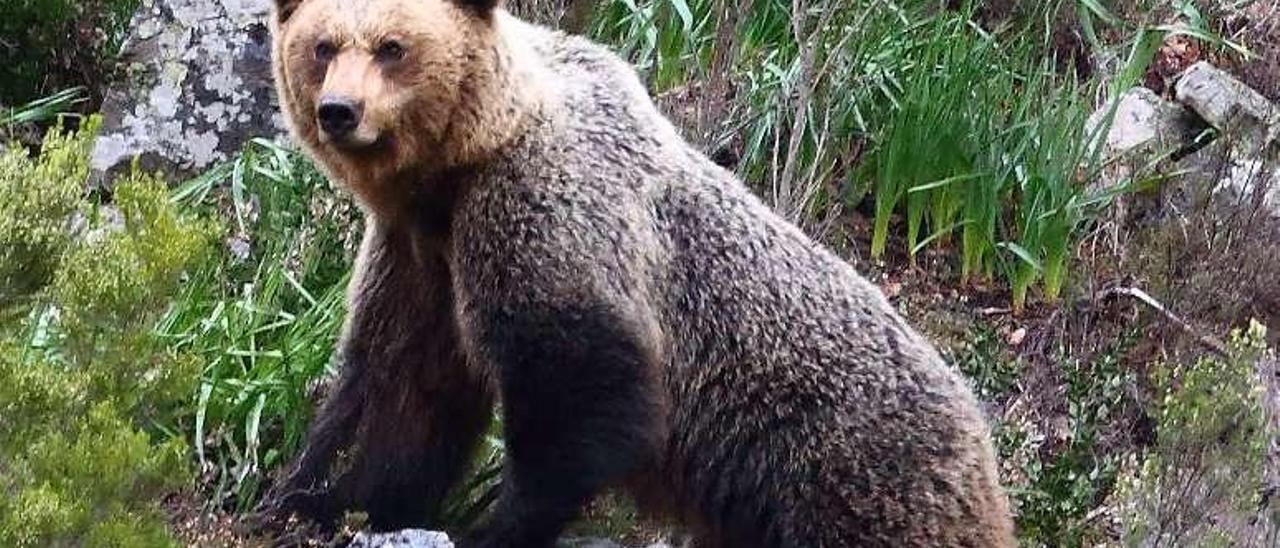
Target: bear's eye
326	50
389	50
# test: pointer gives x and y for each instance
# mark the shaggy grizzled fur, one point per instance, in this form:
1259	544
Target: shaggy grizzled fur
645	321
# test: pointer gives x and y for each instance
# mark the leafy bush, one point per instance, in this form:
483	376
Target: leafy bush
90	397
985	361
54	44
36	203
1064	485
1202	483
1054	425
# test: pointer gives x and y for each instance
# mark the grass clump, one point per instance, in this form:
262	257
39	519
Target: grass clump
263	320
91	399
990	142
970	139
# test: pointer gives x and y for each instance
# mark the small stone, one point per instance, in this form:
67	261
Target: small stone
1018	335
239	248
587	543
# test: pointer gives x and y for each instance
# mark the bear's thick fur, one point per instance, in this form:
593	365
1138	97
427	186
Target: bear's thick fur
538	233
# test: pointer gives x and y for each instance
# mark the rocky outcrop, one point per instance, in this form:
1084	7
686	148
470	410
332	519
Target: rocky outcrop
196	82
1243	160
1246	156
1229	105
195	86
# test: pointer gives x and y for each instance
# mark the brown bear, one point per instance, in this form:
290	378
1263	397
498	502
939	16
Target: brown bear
539	235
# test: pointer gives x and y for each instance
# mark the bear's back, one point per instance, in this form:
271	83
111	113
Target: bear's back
775	350
724	261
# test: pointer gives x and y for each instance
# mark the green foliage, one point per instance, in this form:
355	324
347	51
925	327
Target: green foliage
53	44
1212	436
1055	159
1009	157
37	199
952	129
42	109
264	323
88	394
666	39
984	361
1064	475
121	316
93	481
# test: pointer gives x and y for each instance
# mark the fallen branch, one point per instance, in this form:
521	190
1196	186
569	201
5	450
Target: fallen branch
1207	341
1268	369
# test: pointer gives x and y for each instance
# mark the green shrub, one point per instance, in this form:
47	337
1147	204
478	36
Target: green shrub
90	397
94	480
54	44
985	360
1062	476
1202	483
37	200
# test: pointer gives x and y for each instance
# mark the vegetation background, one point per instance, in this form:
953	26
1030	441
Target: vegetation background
163	343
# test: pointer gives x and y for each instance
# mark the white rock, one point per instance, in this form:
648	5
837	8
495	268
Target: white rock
1253	178
1228	104
407	538
420	538
1142	118
1245	159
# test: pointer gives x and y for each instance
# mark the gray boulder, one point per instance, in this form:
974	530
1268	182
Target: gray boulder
196	86
1246	158
1143	119
1229	105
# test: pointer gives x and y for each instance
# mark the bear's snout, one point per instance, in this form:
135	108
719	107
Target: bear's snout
339	116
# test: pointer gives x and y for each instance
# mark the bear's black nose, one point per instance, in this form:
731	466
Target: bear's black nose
338	115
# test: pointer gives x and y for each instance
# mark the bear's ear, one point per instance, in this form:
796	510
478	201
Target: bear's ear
285	9
480	6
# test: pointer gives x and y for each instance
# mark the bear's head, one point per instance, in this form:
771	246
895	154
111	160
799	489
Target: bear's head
377	89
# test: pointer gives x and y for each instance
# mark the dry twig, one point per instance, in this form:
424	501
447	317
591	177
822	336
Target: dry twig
1207	341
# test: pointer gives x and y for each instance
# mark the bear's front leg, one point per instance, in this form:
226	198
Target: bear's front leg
579	392
303	490
398	430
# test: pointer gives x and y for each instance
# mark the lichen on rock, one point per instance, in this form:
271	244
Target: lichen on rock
195	86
